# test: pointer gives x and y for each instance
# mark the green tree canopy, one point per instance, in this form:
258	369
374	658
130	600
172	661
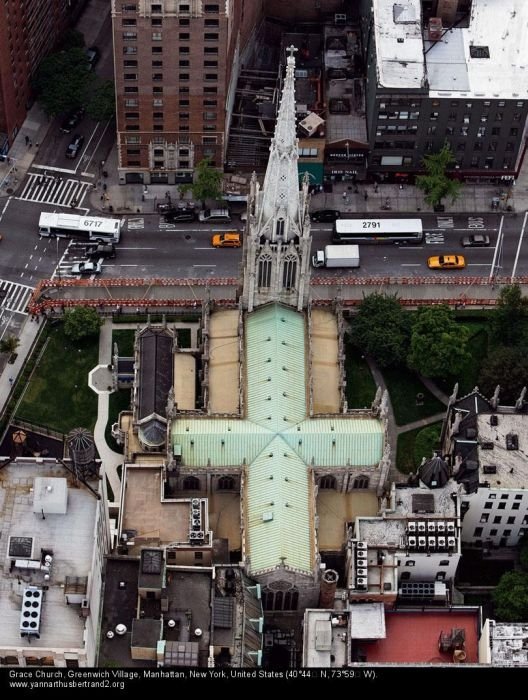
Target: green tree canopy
63	81
438	343
9	344
81	322
207	182
436	183
509	319
381	329
511	597
507	367
101	103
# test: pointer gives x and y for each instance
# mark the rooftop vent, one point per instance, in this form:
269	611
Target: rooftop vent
494	420
30	613
512	441
487	445
479	51
490	469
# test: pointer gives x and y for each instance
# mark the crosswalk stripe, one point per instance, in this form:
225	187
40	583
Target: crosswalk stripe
16	296
47	189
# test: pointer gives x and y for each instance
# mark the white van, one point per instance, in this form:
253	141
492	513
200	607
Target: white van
214	216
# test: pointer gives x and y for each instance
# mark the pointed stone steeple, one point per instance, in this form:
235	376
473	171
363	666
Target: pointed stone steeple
278	236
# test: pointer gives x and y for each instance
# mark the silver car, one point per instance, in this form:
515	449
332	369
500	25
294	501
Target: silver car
87	268
476	240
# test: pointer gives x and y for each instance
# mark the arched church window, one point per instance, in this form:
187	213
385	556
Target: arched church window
279	227
361	482
327	482
191	483
289	271
226	483
264	270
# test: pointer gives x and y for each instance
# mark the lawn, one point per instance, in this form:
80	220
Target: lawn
58	395
125	342
117	401
416	444
403	386
360	388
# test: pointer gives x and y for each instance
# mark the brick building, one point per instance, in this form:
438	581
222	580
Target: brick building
176	65
28	32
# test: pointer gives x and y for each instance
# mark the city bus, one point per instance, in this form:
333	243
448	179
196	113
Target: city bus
378	231
70	225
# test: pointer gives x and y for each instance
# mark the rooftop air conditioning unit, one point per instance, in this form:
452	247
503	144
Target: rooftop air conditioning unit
195	502
431	526
441	543
421	526
450	527
451	542
440	526
411	527
422	541
361	563
361	572
339	18
411	542
361	545
361	583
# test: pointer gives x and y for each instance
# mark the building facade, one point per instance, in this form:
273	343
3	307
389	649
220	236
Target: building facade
28	32
455	78
176	65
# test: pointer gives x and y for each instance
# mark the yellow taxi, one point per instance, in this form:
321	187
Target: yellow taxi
446	262
228	239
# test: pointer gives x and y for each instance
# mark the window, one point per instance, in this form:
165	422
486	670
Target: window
211	23
185	36
191	483
440	576
157	102
492	496
444	562
209	36
184	49
452	117
210	103
183	90
327	482
158	127
511	520
431	130
210	64
129	23
475	160
210	90
184	76
131	115
461	146
184	22
488	163
129	49
264	270
155	8
499	116
157	49
492	146
484	517
183	102
131	103
130	64
510	146
198	556
516	116
129	7
183	115
226	483
211	8
463	131
478	532
129	36
157	90
493	532
504	497
156	36
497	520
495	131
130	76
209	140
157	115
132	139
132	127
507	163
518	497
507	533
361	482
488	505
133	151
514	131
515	506
211	76
157	22
449	131
405	576
481	132
184	63
129	89
410	563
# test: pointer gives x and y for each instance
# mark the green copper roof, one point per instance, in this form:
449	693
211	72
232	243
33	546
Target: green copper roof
278	443
276	367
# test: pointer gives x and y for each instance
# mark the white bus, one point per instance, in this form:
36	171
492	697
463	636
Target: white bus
378	231
92	227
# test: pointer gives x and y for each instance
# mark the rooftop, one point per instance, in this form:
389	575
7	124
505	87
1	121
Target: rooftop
511	466
412	637
509	643
467	59
155	368
68	535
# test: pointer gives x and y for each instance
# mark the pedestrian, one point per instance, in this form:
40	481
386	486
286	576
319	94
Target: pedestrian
30	144
376	188
27	140
365	195
11	381
36	145
344	195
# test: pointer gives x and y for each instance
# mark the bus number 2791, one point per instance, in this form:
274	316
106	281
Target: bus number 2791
371	224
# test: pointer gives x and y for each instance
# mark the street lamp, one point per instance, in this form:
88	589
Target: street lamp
347	150
57	257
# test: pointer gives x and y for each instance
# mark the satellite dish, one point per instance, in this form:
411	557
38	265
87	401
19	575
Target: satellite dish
121	629
197	632
171	623
109	634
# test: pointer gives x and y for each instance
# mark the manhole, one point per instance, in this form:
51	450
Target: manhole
187	237
10	190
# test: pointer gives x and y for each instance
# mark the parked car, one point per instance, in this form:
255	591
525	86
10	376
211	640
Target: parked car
477	240
446	262
86	268
103	250
93	55
75	146
229	239
214	216
325	215
174	215
71	120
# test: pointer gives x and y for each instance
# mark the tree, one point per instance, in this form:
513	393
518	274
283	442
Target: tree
509	320
511	597
437	184
207	182
9	345
438	343
507	367
381	329
82	322
101	104
63	80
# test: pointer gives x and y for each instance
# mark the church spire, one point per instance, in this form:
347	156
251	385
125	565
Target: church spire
281	183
